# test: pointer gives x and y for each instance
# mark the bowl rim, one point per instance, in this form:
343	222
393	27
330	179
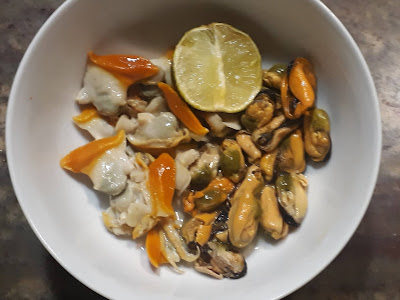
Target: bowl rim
321	9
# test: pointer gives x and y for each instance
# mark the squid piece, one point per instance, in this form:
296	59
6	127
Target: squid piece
104	161
244	213
317	134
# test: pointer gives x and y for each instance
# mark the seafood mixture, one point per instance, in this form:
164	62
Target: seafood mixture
198	185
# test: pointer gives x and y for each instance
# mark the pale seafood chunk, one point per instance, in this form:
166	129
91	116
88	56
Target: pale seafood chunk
90	121
182	162
129	125
101	88
160	131
109	173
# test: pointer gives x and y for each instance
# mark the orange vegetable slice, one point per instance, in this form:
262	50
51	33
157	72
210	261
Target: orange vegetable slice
161	185
181	110
81	159
86	115
153	248
131	67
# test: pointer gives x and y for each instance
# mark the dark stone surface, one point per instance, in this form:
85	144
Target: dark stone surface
367	268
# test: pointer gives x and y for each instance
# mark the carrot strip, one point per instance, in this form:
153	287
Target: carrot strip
86	115
181	110
153	248
133	67
161	184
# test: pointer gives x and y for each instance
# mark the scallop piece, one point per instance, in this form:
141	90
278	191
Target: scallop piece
160	131
91	121
105	91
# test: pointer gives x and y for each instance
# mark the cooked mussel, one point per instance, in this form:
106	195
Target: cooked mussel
245	142
245	210
209	198
259	112
317	134
273	77
268	137
271	218
232	160
205	168
198	229
267	164
298	88
292	198
218	260
291	153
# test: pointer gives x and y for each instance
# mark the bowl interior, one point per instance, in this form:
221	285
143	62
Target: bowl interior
66	213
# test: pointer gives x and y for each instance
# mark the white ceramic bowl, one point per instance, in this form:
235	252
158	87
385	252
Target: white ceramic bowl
64	211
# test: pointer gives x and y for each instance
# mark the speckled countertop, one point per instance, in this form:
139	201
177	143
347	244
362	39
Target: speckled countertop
367	268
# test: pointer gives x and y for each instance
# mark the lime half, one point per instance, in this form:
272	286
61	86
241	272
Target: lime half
217	68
